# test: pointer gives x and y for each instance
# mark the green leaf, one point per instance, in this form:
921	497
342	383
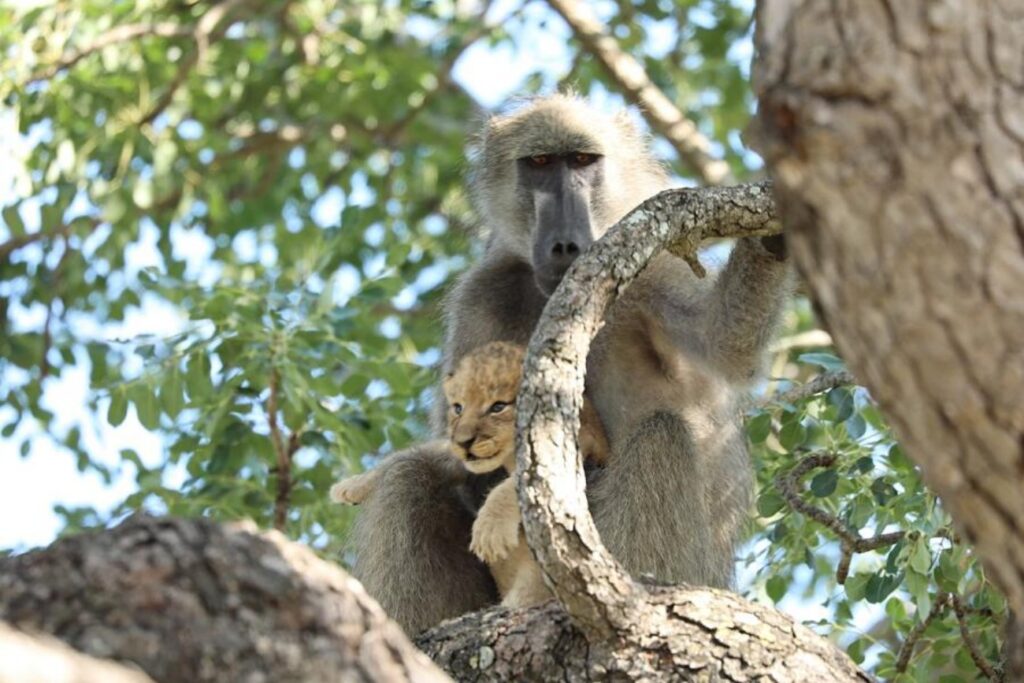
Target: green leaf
824	483
355	385
12	219
776	587
856	650
824	360
769	503
856	585
841	398
792	435
118	409
895	609
855	427
880	586
197	378
146	408
865	464
172	398
949	574
920	557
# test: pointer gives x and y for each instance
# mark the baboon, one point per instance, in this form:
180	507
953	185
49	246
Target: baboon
665	373
481	393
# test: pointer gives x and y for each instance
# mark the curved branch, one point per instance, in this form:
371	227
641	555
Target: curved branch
850	541
693	148
115	36
596	591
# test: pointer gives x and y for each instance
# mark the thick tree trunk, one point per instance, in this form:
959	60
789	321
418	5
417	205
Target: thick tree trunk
894	130
190	601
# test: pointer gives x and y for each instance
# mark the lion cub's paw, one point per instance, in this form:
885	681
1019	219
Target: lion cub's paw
494	536
353	490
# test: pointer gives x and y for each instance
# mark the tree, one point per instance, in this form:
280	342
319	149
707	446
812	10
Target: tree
159	122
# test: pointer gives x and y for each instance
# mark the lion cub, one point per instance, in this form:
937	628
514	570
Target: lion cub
481	394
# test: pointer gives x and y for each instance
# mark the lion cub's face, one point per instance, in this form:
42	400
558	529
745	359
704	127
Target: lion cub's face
481	395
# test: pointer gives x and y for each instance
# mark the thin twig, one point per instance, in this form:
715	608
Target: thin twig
284	456
972	646
823	382
116	35
665	117
210	27
907	648
13	244
850	542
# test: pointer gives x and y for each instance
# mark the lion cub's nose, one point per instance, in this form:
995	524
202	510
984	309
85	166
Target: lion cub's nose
466	443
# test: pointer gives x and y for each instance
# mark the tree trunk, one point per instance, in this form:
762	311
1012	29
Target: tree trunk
192	601
895	133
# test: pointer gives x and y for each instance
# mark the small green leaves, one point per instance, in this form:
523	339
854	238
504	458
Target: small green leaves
118	407
145	402
792	435
880	586
759	427
826	361
824	483
776	587
841	398
770	502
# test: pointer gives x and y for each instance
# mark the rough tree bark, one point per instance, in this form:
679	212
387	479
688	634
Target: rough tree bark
193	601
894	130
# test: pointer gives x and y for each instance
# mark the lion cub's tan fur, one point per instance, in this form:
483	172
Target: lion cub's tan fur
481	394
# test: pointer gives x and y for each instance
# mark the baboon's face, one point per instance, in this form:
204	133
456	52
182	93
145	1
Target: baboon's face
553	176
481	397
560	188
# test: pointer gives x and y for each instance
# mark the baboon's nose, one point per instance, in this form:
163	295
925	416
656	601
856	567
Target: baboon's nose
563	253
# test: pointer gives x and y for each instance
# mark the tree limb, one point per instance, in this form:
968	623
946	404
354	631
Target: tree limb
692	147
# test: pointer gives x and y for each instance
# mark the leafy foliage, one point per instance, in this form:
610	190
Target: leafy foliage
273	192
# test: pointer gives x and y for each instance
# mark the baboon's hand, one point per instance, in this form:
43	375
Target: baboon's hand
494	535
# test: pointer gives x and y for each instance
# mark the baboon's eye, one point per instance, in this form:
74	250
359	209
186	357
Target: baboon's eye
498	406
538	160
457	408
583	159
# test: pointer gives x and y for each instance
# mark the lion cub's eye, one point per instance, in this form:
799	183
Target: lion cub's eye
457	408
498	406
